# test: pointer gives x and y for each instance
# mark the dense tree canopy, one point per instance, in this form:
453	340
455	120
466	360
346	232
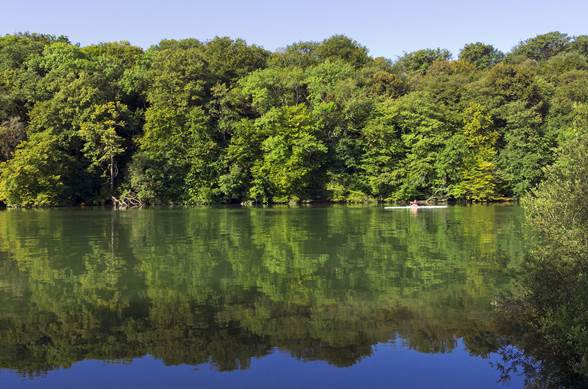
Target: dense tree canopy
190	122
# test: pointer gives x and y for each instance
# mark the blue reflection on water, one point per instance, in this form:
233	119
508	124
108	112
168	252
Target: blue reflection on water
391	365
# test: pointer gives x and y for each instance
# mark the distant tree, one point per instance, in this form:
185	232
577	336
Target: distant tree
400	145
103	142
526	148
420	60
15	49
480	54
267	88
580	45
542	47
292	156
558	208
327	80
18	80
344	48
477	173
506	83
449	83
38	173
301	54
229	60
380	79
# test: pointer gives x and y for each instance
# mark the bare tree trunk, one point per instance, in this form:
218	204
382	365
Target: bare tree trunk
112	175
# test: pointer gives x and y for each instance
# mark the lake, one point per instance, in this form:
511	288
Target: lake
345	297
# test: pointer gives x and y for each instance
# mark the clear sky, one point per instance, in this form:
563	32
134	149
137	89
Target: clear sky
387	28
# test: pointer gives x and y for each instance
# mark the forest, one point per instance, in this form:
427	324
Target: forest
186	122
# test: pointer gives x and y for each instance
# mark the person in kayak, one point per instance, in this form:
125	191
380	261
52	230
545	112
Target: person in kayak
414	203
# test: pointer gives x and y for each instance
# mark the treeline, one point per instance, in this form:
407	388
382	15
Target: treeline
190	122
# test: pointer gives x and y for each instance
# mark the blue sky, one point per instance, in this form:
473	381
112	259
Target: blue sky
387	28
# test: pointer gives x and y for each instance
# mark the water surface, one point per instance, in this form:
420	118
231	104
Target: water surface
288	297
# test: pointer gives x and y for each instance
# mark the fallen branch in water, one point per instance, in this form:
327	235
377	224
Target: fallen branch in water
126	202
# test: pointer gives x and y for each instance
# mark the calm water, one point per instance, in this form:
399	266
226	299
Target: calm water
307	297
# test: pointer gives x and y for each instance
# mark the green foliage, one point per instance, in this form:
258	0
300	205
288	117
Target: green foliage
230	60
420	60
549	316
480	54
402	142
292	156
558	209
341	47
580	44
476	180
190	122
380	80
36	175
173	139
103	144
17	79
526	148
542	47
337	47
269	88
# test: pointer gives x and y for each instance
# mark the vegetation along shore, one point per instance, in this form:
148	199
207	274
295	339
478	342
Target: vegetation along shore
190	122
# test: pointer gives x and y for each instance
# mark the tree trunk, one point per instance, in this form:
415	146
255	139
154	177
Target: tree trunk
111	175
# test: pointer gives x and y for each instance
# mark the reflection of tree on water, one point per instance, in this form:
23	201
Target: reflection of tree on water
548	324
228	285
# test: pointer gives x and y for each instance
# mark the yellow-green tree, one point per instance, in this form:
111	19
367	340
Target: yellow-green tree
477	174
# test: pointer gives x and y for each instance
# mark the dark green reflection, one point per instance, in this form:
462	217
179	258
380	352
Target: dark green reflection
226	285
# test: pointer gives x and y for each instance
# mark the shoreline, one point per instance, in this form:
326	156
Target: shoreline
310	204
